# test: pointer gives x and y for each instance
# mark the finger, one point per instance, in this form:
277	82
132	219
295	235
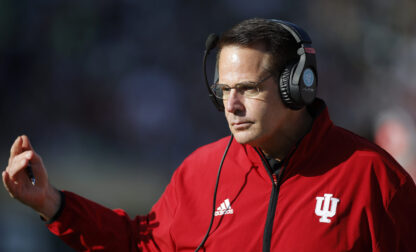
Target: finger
3	176
16	147
8	183
19	162
26	143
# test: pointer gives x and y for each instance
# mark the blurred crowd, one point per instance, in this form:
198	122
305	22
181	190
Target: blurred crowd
111	93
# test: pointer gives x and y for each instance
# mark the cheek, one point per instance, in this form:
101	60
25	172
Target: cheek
271	115
227	116
264	109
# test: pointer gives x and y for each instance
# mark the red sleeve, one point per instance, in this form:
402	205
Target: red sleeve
393	208
398	228
87	226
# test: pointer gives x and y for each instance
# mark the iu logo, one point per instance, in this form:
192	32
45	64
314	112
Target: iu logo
328	210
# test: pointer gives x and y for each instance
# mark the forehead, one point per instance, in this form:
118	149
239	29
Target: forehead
238	63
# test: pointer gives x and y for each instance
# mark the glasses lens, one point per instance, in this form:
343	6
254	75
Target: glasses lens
217	90
222	91
248	90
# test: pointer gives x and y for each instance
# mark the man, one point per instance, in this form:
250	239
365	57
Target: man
290	179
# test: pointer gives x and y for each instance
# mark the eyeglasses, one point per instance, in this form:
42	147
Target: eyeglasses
248	89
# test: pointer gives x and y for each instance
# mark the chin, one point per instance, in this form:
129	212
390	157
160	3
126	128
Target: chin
245	138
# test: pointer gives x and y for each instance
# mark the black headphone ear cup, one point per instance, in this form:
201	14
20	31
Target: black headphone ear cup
284	86
285	89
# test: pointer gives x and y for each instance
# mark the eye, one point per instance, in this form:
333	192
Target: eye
225	88
247	87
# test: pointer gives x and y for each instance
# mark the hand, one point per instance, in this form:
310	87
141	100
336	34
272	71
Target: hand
42	196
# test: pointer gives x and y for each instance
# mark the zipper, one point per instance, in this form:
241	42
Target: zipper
275	179
268	228
276	183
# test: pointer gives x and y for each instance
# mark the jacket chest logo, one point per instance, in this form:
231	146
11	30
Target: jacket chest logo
224	208
329	208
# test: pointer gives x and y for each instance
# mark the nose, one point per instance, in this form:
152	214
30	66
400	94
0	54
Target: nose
235	102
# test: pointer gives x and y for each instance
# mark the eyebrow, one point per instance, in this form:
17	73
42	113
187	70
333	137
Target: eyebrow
250	82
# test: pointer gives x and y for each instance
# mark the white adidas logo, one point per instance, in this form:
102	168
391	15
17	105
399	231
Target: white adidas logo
224	208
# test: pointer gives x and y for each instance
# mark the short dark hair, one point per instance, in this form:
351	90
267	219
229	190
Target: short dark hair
278	41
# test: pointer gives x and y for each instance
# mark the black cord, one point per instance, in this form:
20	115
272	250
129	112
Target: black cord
215	196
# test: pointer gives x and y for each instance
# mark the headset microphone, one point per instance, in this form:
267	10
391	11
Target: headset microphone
210	44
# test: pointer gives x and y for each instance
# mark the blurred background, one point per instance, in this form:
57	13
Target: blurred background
111	93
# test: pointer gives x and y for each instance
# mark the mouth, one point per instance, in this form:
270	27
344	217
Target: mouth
241	125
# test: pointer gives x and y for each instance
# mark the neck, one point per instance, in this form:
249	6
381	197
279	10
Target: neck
279	147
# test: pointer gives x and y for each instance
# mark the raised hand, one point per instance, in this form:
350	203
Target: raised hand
41	196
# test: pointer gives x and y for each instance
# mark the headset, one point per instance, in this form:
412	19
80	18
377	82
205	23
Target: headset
297	82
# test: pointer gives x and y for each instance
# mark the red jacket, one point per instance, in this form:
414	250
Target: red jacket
338	192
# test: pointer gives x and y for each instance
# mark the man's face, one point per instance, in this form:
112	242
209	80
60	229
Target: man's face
259	120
